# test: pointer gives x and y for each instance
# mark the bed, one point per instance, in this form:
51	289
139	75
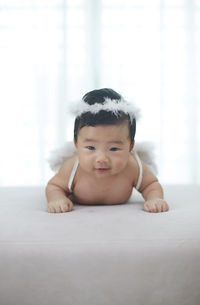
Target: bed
99	255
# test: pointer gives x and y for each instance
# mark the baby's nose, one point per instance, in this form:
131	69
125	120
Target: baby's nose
102	158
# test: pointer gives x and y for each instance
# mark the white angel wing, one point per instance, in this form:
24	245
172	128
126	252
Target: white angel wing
60	155
145	151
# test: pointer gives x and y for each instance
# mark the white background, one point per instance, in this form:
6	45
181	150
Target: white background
53	51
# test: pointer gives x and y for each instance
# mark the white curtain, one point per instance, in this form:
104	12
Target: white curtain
54	51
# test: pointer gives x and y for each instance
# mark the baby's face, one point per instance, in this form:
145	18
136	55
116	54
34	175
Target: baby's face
104	150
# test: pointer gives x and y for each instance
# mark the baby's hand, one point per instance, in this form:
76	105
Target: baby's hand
60	206
156	206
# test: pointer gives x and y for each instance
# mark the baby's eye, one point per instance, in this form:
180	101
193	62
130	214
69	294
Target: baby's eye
91	147
114	149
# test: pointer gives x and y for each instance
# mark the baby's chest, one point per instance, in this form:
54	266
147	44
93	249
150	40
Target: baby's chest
89	191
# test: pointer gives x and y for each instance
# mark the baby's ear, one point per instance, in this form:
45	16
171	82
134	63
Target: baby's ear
75	142
131	146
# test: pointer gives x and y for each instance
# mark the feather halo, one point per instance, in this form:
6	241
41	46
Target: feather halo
112	105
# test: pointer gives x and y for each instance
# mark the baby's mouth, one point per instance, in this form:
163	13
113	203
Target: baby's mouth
102	169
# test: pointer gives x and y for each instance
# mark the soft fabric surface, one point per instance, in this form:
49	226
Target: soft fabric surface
99	255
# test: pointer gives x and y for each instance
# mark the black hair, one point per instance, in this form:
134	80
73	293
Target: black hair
103	117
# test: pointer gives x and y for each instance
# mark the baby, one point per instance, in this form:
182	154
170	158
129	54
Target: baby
105	168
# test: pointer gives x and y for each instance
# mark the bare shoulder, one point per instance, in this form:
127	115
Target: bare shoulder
62	177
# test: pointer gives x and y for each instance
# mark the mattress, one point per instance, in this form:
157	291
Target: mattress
99	255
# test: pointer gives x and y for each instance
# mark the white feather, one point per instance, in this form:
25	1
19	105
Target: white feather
146	152
115	106
59	155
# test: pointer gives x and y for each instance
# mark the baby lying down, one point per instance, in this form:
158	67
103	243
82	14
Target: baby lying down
105	167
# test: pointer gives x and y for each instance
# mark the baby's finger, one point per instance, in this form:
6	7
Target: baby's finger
165	207
64	208
154	208
51	210
146	208
70	206
57	209
159	208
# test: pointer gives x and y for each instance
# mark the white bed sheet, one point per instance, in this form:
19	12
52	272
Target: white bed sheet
99	255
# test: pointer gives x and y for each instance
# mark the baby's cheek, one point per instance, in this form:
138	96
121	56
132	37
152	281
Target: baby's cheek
120	164
84	162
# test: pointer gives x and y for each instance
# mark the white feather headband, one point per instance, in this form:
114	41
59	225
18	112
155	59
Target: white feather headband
113	105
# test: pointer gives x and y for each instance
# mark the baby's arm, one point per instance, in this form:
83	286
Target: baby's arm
56	190
152	192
